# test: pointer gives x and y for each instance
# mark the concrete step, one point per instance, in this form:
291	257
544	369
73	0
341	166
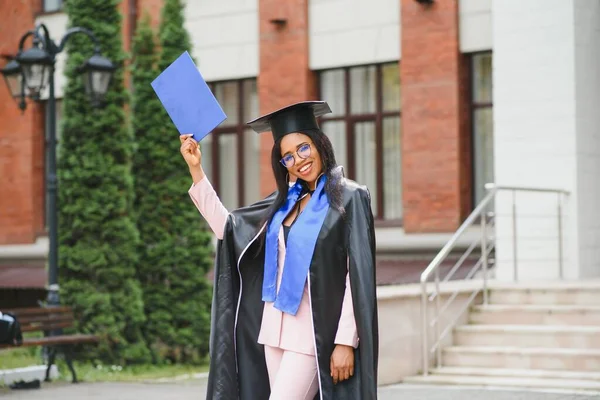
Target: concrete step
522	358
546	336
519	373
548	294
531	314
530	383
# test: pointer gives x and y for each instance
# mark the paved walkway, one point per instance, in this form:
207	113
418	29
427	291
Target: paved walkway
195	390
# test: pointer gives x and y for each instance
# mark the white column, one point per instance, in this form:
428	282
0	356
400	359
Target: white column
535	133
587	124
547	135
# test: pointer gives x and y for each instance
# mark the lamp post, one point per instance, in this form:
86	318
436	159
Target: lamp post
26	76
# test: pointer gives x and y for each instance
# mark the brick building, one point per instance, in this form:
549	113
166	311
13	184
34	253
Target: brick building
414	114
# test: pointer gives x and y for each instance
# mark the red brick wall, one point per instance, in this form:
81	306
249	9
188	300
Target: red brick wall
133	11
128	22
285	76
435	128
21	137
22	147
150	7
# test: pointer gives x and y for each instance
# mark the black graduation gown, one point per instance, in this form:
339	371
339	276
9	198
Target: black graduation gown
238	369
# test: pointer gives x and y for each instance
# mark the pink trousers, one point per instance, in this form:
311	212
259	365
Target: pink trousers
293	376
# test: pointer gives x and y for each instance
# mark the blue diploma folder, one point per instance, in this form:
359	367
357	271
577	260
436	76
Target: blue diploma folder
187	98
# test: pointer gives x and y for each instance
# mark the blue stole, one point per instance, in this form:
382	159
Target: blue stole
299	251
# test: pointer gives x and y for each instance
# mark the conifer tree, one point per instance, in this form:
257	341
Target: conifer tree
98	237
175	252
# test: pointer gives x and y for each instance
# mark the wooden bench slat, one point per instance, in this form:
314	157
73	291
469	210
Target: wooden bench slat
54	340
42	319
62	339
46	327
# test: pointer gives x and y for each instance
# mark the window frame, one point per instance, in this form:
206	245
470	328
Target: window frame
238	129
351	120
474	106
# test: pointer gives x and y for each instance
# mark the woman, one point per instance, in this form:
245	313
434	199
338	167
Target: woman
294	309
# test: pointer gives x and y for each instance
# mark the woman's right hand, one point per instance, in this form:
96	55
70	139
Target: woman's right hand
190	151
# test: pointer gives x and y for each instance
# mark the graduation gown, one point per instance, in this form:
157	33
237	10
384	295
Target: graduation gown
346	244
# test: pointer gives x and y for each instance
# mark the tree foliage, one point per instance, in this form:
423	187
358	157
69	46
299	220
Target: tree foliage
98	238
175	251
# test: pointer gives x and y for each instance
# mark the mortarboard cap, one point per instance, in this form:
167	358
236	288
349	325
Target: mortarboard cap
293	118
187	98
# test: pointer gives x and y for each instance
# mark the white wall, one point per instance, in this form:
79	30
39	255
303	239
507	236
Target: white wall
225	37
475	25
535	132
352	32
57	25
587	94
400	330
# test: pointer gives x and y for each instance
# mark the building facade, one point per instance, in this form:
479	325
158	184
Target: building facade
430	102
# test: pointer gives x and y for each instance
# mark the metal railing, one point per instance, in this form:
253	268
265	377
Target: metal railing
486	220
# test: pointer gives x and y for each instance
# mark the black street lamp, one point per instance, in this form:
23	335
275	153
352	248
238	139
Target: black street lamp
97	74
14	80
35	64
26	76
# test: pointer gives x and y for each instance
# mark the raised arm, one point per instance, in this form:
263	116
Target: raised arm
202	193
208	203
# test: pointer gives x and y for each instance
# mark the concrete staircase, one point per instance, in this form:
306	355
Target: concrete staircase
542	336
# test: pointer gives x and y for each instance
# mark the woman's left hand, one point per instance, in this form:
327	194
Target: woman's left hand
342	363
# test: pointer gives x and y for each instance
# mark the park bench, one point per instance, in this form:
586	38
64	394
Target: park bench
51	321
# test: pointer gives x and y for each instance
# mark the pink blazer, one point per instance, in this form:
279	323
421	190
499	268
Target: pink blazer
278	329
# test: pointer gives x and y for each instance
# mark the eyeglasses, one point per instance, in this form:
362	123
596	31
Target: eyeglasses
303	152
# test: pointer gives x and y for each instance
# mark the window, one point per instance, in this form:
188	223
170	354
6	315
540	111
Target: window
231	153
52	5
365	130
483	126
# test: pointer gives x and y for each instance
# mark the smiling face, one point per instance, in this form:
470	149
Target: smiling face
295	146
